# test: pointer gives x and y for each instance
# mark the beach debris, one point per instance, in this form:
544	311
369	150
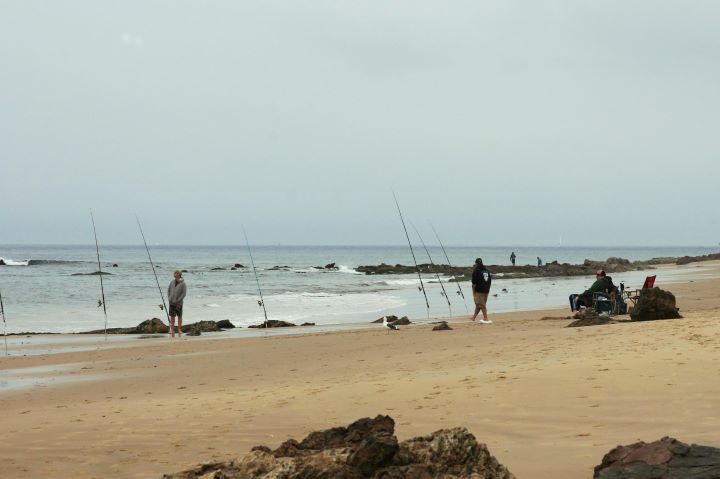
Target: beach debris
664	459
443	326
655	304
366	448
389	326
273	323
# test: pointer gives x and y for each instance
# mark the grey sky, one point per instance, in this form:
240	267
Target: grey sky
502	122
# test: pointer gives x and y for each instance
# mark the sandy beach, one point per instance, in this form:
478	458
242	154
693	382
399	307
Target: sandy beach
547	400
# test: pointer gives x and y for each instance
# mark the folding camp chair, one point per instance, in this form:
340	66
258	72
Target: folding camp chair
633	296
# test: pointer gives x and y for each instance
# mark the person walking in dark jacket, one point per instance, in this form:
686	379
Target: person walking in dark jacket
481	281
512	258
176	294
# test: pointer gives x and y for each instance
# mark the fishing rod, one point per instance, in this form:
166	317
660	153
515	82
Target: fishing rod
2	311
412	252
444	293
447	258
257	281
164	306
102	288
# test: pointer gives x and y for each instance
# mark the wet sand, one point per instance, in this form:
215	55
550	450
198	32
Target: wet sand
549	401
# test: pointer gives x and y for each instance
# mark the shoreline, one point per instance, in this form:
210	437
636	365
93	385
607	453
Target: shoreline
670	274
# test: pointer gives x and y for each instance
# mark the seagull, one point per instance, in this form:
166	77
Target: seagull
389	326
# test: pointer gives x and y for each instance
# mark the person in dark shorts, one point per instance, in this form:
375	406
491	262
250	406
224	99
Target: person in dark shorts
176	294
481	280
512	258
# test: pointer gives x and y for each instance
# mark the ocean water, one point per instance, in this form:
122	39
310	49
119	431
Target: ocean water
42	291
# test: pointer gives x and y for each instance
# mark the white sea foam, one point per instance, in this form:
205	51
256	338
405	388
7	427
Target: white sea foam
11	262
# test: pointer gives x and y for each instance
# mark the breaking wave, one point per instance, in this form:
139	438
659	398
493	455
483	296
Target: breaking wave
36	262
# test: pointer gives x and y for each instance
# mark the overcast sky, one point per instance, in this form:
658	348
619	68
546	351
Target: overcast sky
502	122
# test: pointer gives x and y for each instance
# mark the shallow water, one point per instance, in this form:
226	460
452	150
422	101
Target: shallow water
45	297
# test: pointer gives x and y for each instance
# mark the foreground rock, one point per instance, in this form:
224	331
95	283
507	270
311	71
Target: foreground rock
149	326
667	458
654	304
366	448
273	323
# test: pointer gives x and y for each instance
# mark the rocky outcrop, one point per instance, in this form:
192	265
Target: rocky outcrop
225	324
443	326
149	326
330	266
94	273
273	323
238	265
394	320
207	326
553	268
307	324
667	458
654	304
366	448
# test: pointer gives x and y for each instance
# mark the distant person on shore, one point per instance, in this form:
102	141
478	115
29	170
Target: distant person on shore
539	261
512	258
176	294
585	298
481	280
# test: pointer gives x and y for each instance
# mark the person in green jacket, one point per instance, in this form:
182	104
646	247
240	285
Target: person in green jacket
585	298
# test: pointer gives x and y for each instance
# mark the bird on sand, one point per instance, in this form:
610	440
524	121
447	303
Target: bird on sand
389	326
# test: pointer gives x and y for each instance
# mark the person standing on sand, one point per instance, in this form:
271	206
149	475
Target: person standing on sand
176	294
512	258
481	279
539	262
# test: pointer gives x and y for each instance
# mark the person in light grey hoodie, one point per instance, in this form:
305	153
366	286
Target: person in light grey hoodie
176	294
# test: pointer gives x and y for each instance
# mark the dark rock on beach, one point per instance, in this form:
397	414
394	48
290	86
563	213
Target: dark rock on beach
238	265
225	324
217	268
654	304
115	265
330	266
667	458
94	273
2	263
392	319
149	326
273	323
367	448
307	324
443	326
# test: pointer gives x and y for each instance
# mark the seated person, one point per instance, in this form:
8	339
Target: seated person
585	298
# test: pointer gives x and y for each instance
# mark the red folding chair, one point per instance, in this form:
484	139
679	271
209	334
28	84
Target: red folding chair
648	284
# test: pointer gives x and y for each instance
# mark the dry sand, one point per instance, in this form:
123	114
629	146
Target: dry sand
549	401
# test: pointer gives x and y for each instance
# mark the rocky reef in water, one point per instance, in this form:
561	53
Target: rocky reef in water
587	268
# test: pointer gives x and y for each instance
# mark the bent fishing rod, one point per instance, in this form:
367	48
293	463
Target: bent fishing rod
447	258
157	281
2	312
257	281
437	275
100	273
412	252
